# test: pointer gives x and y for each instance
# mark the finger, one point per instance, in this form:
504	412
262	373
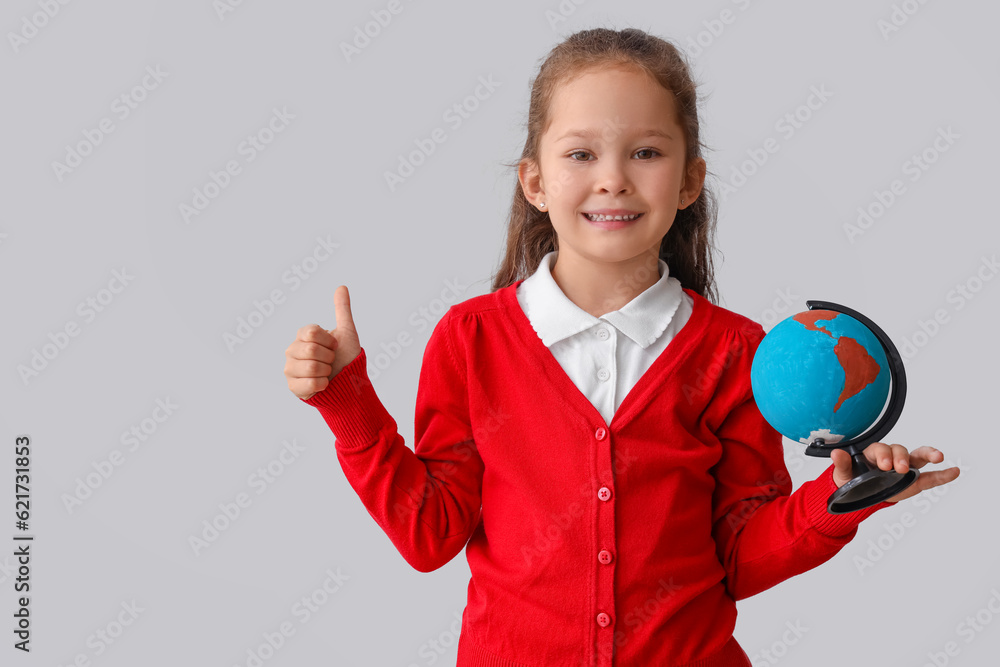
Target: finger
304	333
879	454
342	308
900	458
306	386
299	368
841	460
314	333
310	352
932	478
921	456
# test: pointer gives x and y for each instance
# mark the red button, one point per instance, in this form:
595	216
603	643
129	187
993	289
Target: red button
604	556
604	493
600	433
603	620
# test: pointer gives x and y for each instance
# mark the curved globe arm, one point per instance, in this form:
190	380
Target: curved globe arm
896	373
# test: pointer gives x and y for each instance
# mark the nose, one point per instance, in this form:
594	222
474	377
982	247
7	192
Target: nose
612	177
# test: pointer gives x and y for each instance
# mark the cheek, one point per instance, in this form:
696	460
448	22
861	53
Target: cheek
657	182
566	186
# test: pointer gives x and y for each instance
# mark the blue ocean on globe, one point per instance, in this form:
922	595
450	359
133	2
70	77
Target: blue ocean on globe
820	374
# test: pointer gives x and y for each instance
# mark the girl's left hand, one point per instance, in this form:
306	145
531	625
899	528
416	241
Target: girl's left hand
887	457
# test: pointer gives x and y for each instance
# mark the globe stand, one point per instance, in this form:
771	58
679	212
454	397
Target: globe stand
868	486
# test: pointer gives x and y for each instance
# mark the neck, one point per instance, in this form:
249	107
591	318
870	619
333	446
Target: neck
603	287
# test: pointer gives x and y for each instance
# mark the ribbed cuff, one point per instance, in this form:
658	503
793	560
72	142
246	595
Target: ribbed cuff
834	525
351	408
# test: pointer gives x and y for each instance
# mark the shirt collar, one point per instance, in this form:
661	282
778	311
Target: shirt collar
554	317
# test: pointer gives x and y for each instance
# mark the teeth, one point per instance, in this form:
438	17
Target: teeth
605	218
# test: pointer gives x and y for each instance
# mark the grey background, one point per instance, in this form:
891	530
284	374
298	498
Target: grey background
323	176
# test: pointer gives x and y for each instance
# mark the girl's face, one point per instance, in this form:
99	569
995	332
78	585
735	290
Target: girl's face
630	157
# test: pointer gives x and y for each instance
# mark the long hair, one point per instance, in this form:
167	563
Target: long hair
688	245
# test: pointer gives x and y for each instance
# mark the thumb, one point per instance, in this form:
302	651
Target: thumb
842	466
342	308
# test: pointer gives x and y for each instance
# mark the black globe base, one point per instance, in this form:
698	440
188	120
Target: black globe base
868	486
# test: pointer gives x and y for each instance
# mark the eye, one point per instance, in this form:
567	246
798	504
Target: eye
578	153
648	150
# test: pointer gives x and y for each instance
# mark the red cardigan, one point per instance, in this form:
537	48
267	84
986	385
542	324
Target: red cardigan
588	543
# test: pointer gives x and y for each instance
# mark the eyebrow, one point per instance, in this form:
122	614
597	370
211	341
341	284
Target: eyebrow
653	132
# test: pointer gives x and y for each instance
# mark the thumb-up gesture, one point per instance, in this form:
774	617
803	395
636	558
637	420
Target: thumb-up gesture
316	355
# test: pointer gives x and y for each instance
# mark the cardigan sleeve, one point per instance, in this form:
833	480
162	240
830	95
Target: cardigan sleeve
427	500
763	532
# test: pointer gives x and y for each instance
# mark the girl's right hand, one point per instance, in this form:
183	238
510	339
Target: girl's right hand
316	355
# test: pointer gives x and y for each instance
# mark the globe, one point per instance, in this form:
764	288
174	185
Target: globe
820	374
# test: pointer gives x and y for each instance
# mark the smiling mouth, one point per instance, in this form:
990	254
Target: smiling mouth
612	218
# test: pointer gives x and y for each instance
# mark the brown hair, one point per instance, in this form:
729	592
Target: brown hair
687	247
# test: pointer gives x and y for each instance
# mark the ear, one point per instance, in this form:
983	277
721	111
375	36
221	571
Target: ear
531	181
694	180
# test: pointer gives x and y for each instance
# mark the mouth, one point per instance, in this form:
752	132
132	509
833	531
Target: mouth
611	221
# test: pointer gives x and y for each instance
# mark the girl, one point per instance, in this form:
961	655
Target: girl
587	430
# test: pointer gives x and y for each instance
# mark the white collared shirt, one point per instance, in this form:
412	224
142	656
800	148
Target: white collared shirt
604	356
